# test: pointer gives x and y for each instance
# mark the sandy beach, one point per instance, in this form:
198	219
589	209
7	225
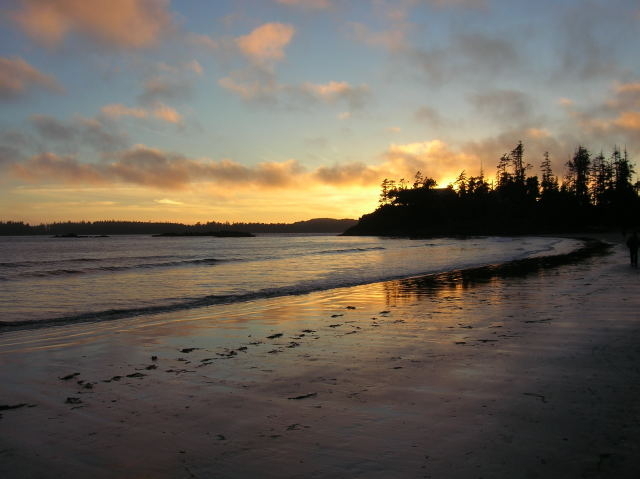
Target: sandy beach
520	377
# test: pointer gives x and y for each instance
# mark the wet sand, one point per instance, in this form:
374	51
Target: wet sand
509	375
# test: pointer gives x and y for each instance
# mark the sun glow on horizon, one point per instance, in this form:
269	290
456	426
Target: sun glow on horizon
198	111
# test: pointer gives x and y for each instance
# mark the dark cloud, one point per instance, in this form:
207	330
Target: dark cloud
53	129
429	115
592	37
17	78
485	52
80	132
467	56
506	106
160	89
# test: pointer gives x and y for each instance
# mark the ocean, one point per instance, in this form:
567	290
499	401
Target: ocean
48	281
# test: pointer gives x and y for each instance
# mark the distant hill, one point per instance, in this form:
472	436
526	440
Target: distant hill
316	225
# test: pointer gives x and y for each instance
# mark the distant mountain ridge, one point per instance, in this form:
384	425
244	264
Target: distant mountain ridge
112	227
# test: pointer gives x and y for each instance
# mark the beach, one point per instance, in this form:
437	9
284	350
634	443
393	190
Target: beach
531	375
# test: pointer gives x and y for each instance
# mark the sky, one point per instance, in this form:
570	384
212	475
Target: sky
286	110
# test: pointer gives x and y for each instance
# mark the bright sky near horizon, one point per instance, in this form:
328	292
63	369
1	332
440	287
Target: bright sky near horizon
285	110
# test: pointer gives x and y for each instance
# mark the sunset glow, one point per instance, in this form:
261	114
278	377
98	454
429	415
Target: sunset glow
283	110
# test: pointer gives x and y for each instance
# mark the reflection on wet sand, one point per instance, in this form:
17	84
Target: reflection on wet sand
455	283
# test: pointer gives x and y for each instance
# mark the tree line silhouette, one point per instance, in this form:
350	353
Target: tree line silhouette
112	227
595	193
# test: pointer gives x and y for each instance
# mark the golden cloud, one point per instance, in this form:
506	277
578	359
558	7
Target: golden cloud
266	43
116	23
151	167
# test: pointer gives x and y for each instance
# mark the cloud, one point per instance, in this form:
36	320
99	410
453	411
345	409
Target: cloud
80	131
344	174
314	4
253	85
456	3
478	54
585	47
433	158
493	53
193	66
13	144
169	202
615	119
393	40
508	106
117	110
428	115
262	86
203	41
160	112
151	167
334	91
266	43
168	114
462	54
157	169
111	23
51	167
158	89
17	77
629	120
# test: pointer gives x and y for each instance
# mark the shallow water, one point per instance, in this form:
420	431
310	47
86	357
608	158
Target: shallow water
47	279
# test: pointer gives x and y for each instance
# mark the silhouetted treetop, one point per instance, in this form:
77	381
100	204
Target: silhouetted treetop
595	193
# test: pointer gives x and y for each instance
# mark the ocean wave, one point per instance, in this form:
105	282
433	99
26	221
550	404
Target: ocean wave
113	268
347	250
477	273
21	264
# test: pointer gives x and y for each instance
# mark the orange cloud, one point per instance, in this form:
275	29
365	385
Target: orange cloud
334	91
629	120
155	168
17	76
266	43
629	87
168	114
116	23
433	158
161	112
55	167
